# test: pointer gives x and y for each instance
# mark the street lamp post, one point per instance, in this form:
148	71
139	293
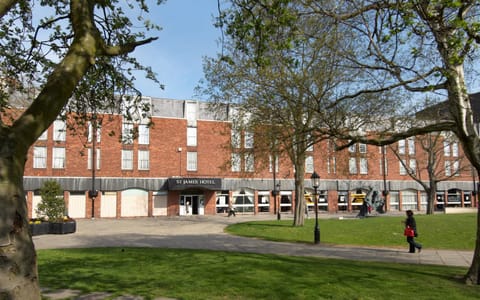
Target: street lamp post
277	189
315	184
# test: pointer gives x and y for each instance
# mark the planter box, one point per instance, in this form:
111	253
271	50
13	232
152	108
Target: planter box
63	227
39	229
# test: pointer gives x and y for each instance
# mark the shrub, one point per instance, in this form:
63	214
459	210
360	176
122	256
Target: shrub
52	205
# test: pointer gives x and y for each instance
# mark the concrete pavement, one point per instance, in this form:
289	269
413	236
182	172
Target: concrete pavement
207	232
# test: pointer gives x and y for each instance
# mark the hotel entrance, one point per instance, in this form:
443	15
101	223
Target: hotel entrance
192	205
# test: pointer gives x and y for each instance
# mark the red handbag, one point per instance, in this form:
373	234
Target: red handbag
409	232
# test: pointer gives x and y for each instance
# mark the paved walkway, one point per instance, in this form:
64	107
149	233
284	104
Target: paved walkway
207	232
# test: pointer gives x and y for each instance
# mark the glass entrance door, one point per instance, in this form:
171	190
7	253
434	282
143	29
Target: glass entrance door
191	205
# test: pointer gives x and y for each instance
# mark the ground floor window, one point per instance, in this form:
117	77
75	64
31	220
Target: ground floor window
243	201
342	200
222	202
263	201
394	201
409	200
285	201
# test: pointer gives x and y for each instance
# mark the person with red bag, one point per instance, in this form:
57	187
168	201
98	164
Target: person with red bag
411	232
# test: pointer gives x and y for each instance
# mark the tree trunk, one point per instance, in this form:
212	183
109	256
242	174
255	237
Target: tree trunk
18	261
299	216
473	274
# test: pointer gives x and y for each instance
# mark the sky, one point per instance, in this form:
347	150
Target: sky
187	36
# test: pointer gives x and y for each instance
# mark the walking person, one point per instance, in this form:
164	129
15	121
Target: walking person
231	209
411	232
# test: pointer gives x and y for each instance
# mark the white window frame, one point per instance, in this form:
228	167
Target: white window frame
58	157
127	133
446	148
97	158
90	133
192	163
127	159
401	147
411	145
236	162
59	131
143	159
249	162
352	165
192	136
43	136
270	166
248	143
455	149
363	165
412	165
402	168
39	157
309	164
448	168
362	148
236	138
143	134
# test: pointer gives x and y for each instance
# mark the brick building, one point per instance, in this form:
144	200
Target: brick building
181	166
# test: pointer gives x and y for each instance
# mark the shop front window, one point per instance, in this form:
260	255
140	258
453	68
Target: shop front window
263	201
243	202
285	201
222	202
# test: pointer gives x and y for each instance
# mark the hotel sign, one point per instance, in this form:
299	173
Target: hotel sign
188	183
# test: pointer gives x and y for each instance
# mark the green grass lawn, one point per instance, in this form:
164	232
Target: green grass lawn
452	231
199	274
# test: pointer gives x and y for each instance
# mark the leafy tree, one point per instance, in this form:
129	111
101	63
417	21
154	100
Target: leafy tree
52	205
404	47
51	51
280	92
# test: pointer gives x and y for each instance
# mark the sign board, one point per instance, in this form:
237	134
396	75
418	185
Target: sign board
196	183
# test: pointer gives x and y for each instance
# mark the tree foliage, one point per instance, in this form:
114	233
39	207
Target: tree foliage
57	57
404	49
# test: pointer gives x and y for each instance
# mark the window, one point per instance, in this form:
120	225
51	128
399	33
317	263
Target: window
127	159
191	161
90	133
362	148
236	162
40	157
143	134
58	161
127	133
309	164
271	164
191	136
448	168
97	159
248	140
456	168
43	137
191	113
352	148
363	165
332	165
352	165
236	138
412	164
401	147
403	170
455	149
411	146
249	162
59	131
446	148
143	159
